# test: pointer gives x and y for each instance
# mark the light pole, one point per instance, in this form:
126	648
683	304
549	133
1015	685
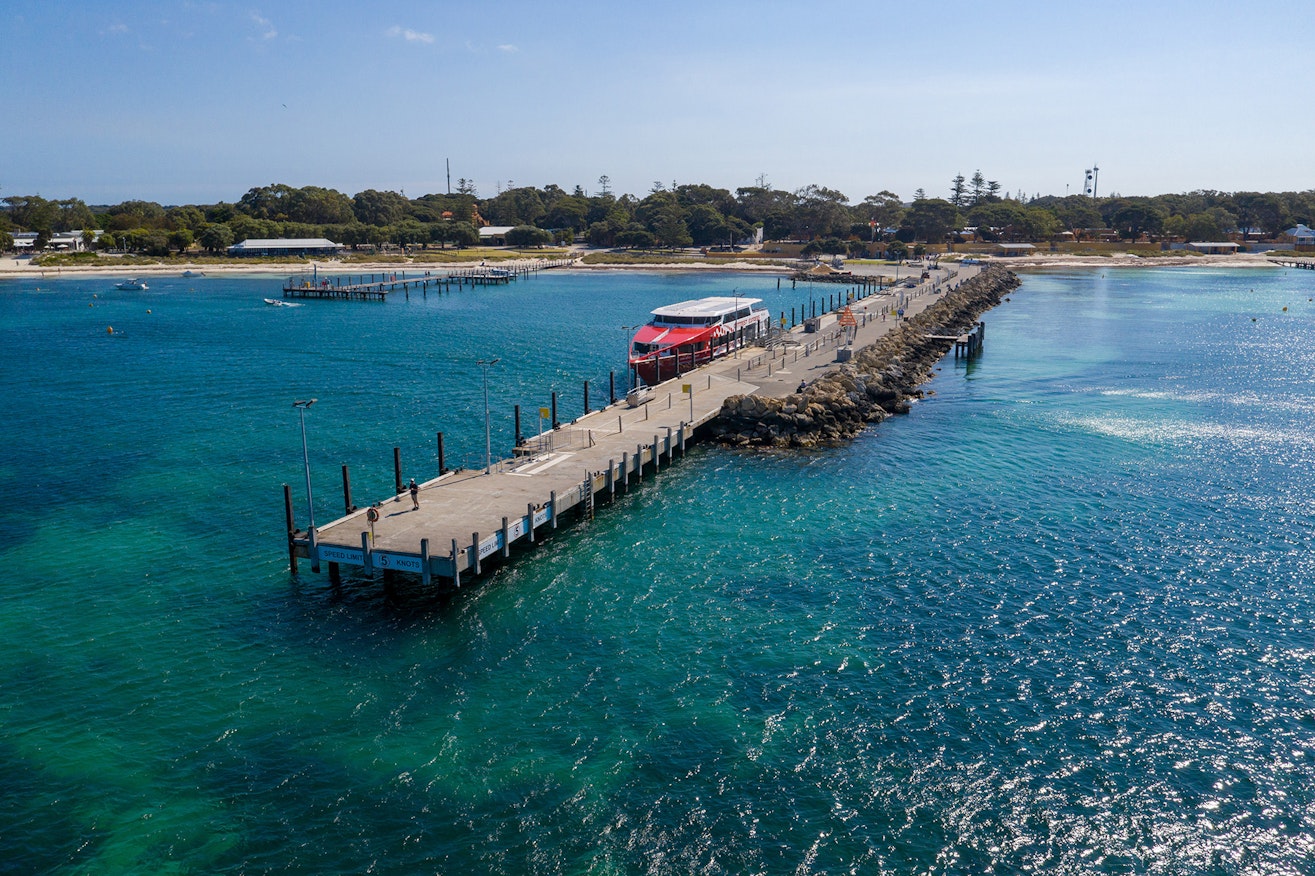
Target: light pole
301	406
488	435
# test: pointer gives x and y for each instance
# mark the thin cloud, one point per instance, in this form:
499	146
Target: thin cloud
117	28
411	36
267	29
508	47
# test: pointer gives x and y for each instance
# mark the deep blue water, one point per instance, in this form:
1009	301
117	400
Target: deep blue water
1057	619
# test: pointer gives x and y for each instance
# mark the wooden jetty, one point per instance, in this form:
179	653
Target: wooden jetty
1290	262
377	287
469	519
968	344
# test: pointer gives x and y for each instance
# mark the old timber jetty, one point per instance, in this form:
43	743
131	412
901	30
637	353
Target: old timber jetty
858	364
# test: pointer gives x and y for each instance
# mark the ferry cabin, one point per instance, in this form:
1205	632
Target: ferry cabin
685	335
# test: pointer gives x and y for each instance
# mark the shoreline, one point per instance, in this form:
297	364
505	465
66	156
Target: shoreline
12	268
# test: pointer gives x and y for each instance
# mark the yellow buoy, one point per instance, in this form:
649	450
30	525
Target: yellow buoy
109	330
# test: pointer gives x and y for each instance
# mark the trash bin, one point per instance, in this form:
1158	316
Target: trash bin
813	324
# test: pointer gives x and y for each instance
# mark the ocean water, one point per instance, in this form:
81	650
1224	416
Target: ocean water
1057	619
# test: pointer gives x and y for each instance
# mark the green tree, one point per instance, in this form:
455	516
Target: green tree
526	236
976	188
1137	217
821	211
671	230
267	202
567	212
1262	210
137	214
407	233
377	208
73	215
179	239
463	234
958	191
518	206
216	238
706	224
931	219
635	236
31	212
190	218
319	206
884	208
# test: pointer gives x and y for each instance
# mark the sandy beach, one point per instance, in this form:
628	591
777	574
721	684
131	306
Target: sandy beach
18	268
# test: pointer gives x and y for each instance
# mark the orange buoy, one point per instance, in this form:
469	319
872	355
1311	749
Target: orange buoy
109	330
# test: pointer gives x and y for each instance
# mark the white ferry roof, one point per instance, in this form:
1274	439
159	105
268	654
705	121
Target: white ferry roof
706	307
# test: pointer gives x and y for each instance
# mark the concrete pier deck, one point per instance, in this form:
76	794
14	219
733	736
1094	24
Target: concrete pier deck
466	517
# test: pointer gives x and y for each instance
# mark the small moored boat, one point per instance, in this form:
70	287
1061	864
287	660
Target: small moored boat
130	284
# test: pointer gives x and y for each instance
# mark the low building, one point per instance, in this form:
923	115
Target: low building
1213	247
60	241
1014	249
291	246
1302	236
494	235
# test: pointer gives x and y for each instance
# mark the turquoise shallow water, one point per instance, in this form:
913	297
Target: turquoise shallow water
1057	619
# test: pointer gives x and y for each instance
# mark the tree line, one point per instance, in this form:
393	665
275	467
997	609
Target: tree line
674	216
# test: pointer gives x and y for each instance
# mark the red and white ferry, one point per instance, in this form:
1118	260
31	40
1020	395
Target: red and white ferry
687	334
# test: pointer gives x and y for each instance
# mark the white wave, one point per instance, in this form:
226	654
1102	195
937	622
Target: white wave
1169	431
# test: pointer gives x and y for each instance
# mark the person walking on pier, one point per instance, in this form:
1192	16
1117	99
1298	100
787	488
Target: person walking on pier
415	495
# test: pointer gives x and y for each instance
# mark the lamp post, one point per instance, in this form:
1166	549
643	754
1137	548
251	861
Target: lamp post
488	435
301	406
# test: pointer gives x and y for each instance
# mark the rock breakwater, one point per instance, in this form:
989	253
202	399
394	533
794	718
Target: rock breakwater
878	381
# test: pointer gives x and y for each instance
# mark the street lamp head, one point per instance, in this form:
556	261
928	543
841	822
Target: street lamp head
304	403
494	361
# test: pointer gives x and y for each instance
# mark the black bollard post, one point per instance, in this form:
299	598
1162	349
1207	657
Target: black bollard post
611	383
347	491
442	467
519	439
555	424
397	470
586	397
287	511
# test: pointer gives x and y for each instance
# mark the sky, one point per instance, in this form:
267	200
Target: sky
190	102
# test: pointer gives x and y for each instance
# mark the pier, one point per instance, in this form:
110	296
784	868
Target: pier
1289	262
470	519
377	287
968	344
